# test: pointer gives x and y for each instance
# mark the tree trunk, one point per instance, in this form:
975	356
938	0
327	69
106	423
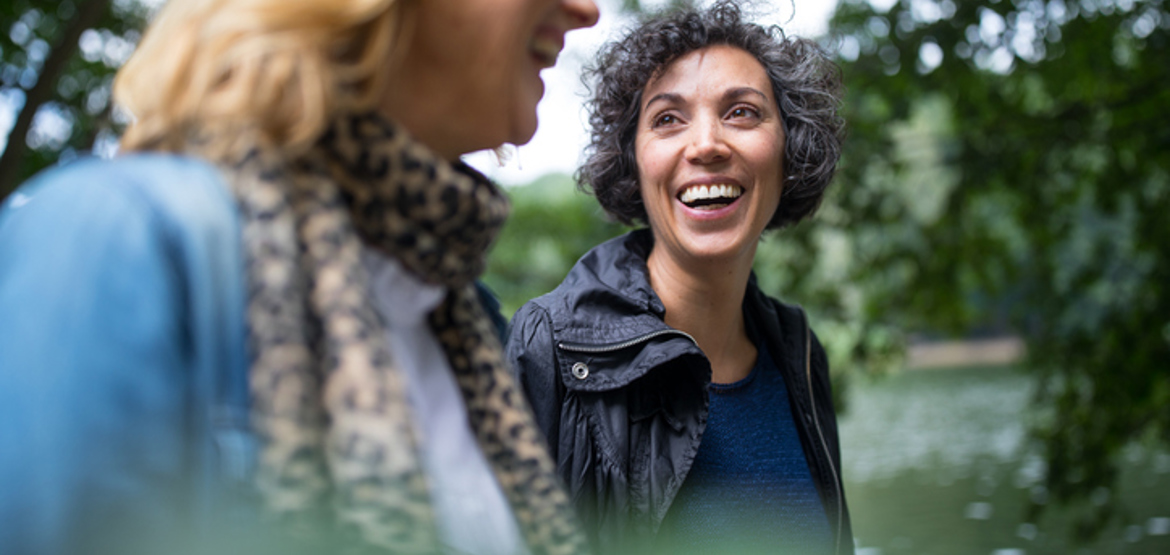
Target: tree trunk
88	16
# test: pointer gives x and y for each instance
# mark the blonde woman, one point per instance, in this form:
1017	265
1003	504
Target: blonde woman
258	325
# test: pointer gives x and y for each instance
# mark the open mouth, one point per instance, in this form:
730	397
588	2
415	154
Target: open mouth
545	48
709	197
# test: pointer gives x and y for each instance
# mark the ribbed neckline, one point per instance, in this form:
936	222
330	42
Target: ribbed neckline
726	388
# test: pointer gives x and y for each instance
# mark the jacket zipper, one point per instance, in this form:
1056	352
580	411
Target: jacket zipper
816	421
593	349
585	348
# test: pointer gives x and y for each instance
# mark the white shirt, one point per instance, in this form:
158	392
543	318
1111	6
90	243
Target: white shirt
472	514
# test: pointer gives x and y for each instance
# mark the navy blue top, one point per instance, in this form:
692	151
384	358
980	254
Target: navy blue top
749	489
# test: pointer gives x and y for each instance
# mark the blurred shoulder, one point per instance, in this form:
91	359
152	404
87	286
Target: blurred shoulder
170	185
179	193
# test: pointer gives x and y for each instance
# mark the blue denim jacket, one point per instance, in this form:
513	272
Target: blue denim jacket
123	392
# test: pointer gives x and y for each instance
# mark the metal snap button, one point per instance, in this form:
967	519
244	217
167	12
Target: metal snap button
580	370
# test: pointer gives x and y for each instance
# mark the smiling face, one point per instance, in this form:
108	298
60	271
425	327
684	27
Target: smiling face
709	148
470	75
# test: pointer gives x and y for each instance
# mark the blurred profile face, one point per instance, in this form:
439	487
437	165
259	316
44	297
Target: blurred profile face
709	150
470	75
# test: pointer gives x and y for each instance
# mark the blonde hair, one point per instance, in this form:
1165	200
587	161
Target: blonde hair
231	74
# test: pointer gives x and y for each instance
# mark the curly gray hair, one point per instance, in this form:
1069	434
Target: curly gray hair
806	84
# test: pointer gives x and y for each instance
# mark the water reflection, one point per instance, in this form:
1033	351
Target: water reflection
938	462
934	420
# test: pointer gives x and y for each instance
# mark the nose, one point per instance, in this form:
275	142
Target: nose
581	13
707	144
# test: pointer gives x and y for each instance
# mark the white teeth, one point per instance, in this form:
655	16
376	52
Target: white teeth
703	192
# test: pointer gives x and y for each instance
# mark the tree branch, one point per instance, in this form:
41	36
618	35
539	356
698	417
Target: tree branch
88	16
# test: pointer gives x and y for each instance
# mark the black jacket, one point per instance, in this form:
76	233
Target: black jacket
622	397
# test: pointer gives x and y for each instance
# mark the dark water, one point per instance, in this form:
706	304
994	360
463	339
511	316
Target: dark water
937	462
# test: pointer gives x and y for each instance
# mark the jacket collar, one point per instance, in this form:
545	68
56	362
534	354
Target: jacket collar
605	314
606	298
606	301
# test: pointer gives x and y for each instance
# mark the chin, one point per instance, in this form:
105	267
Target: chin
523	131
718	249
522	118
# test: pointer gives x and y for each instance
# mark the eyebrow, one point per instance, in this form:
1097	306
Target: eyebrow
729	94
672	98
743	91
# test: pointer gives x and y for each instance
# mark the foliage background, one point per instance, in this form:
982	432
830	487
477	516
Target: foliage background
1007	171
57	61
1010	165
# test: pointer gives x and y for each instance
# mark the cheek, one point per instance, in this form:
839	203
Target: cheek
656	205
650	181
653	166
770	159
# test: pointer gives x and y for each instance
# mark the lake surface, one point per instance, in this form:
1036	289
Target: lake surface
938	462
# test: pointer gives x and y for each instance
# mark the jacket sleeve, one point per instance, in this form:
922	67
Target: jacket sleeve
93	371
823	388
530	351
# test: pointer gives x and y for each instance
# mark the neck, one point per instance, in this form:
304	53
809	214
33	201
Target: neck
427	122
705	300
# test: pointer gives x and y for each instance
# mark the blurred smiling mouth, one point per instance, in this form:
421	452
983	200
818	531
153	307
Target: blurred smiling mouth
709	197
545	47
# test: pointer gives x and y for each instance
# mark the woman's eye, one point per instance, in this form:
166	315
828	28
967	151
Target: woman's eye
743	112
665	119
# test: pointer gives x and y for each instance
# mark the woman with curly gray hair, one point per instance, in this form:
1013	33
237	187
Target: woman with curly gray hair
686	409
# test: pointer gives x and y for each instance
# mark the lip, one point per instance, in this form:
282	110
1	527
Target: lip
546	45
705	215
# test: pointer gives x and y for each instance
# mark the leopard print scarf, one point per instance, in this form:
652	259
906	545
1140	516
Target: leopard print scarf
329	405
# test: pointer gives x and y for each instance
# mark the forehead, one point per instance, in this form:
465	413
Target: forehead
709	70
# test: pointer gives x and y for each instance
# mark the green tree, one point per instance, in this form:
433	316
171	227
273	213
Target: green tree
636	7
1009	163
57	60
551	226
